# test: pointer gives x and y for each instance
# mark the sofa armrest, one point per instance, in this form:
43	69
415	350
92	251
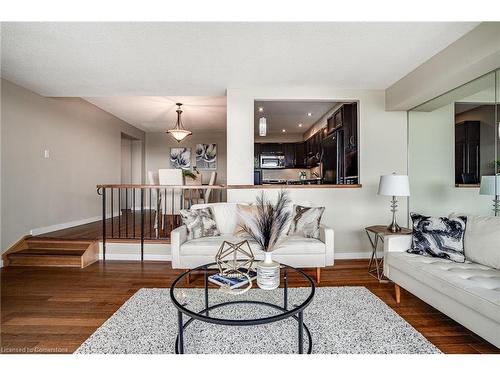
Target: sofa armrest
397	243
177	237
326	235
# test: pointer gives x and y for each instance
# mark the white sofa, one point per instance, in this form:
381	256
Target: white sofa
467	292
295	251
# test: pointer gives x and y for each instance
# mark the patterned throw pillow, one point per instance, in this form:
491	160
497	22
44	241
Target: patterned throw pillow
199	222
439	237
305	221
245	213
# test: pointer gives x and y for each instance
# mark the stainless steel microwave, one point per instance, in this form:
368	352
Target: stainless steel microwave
272	161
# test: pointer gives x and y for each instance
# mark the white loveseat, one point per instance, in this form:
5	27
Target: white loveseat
295	251
467	292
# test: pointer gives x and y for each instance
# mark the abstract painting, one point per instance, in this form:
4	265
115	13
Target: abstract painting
206	156
180	158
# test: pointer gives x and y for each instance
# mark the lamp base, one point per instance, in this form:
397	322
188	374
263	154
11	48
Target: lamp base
394	228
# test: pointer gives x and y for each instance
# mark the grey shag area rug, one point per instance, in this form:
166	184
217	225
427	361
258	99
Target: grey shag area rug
341	320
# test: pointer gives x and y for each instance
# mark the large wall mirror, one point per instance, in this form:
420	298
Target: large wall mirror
454	148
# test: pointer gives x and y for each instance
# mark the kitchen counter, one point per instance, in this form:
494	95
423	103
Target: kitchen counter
284	186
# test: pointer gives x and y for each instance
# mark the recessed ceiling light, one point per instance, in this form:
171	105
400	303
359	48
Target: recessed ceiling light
300	125
261	109
309	114
284	130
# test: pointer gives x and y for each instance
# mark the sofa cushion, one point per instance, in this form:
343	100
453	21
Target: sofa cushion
199	222
305	221
439	237
244	213
482	240
225	215
471	284
291	245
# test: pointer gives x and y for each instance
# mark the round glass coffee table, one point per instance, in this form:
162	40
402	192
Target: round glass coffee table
256	307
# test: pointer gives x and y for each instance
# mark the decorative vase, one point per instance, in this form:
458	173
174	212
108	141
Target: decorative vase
268	273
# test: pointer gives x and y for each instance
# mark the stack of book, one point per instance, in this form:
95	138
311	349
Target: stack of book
233	282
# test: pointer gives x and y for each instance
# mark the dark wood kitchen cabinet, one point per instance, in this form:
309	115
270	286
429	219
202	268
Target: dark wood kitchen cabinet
467	152
350	124
289	151
271	148
300	154
346	117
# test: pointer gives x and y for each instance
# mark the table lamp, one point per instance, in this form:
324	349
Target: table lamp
394	185
490	185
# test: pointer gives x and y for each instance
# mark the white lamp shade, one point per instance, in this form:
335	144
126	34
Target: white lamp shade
394	185
262	126
488	185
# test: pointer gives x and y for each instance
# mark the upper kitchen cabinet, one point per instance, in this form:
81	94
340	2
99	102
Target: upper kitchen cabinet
350	124
271	148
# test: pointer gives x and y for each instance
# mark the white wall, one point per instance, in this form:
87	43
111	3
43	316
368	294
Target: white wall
382	150
158	151
475	54
85	150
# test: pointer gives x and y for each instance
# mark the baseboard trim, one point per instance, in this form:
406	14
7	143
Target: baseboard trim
69	224
136	257
353	255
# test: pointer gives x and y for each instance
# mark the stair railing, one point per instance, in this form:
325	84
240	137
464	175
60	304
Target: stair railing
143	213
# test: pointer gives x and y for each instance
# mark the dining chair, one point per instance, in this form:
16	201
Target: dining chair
172	177
213	179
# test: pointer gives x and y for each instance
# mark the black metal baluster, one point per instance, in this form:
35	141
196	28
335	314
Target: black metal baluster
119	213
112	216
103	223
133	208
150	212
142	224
126	212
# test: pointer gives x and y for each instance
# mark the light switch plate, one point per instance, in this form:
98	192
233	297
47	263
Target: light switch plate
46	154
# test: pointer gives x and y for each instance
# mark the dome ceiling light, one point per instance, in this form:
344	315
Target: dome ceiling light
178	132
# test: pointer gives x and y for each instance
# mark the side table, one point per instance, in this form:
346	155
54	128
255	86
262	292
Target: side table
375	234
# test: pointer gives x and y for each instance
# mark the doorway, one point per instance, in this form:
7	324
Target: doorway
131	166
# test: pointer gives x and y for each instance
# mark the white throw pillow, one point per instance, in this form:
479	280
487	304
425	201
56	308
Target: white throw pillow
482	240
290	210
225	215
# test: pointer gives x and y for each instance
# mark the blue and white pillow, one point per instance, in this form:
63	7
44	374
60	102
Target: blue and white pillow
439	237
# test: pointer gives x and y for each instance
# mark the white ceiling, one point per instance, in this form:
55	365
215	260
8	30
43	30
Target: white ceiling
289	114
157	113
136	59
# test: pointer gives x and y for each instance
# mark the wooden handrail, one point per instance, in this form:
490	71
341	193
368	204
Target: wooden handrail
229	187
140	186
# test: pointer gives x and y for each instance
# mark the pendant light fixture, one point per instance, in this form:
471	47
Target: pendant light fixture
178	132
262	127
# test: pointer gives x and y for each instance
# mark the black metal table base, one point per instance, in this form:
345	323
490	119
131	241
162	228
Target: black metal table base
295	311
179	341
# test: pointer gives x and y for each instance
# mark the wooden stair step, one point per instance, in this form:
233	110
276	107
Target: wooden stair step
19	259
50	252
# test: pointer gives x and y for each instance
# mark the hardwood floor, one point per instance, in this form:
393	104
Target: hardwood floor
127	225
54	310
